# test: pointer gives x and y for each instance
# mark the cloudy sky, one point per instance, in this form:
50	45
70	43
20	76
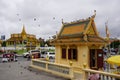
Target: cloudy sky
43	17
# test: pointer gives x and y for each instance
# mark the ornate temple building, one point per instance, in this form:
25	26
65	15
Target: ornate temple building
22	38
78	52
80	43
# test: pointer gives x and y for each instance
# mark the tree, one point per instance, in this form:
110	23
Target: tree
4	44
48	42
42	42
115	44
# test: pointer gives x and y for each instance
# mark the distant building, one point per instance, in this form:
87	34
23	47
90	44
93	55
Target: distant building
2	37
22	39
80	43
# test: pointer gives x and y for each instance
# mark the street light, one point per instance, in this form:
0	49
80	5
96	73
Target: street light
15	44
30	45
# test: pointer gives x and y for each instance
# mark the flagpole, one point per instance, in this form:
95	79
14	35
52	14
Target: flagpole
108	39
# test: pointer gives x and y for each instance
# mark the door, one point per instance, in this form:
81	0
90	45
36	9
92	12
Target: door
93	57
96	58
99	58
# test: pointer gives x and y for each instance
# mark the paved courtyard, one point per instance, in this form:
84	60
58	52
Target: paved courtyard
20	71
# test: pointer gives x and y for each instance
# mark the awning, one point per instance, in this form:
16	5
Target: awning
114	60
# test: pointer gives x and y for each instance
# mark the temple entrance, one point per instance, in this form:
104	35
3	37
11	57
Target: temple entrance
96	58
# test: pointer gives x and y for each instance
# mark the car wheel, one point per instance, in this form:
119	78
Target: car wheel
50	57
27	55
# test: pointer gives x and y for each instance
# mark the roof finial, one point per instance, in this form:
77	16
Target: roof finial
94	14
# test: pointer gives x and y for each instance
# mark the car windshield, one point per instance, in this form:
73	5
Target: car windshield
35	51
52	53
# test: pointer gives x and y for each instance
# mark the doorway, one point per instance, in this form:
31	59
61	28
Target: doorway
96	58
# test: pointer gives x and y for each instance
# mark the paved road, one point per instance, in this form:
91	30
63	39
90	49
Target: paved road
20	71
19	58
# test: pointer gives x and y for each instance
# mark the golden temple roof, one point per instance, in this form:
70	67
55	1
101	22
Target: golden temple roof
79	31
79	27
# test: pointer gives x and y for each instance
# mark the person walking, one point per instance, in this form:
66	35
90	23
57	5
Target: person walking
94	77
29	57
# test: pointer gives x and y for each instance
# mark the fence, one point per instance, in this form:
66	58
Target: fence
69	71
103	75
57	69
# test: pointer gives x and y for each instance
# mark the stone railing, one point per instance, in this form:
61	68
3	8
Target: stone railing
103	75
57	69
68	71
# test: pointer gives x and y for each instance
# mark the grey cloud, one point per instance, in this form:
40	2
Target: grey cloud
45	10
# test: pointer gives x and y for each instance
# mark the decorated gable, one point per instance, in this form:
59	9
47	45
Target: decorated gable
74	29
91	31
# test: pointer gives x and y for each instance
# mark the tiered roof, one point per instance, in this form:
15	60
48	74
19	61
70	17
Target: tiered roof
80	31
22	36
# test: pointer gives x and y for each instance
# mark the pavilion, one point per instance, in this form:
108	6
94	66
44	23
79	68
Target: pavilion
79	43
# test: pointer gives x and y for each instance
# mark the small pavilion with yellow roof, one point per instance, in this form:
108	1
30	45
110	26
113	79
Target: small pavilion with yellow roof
78	50
79	43
22	39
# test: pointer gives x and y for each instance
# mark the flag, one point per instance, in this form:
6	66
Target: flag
107	31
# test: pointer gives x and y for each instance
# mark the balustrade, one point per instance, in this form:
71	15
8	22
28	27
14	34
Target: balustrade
58	69
103	75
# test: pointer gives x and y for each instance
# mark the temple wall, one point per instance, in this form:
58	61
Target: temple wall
83	56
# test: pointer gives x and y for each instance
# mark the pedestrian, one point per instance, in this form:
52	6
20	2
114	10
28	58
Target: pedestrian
28	57
94	77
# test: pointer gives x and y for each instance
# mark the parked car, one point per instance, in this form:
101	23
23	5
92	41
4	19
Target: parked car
26	54
4	59
50	55
31	52
9	57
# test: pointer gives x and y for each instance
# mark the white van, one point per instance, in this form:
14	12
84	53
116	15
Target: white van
26	54
50	55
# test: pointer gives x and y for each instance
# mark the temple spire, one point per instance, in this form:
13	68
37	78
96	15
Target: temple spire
23	30
107	31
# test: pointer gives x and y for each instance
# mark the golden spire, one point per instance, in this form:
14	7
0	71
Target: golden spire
23	30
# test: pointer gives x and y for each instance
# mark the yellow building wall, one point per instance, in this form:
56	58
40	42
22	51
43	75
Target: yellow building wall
57	54
83	56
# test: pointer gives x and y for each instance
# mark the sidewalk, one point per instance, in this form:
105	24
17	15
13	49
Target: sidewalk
20	71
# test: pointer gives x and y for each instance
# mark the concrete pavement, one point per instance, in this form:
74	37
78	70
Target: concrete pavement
20	71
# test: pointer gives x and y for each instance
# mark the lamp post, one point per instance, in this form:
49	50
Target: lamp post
23	44
15	44
30	45
119	46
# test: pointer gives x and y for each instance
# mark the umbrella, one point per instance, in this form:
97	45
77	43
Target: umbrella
114	60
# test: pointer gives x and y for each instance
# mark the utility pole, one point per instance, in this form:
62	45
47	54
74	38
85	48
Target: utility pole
30	45
119	47
108	39
15	44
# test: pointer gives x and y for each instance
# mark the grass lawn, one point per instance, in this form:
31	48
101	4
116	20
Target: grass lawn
20	51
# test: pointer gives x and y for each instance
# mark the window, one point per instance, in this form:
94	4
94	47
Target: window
52	53
72	54
75	54
92	58
64	53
